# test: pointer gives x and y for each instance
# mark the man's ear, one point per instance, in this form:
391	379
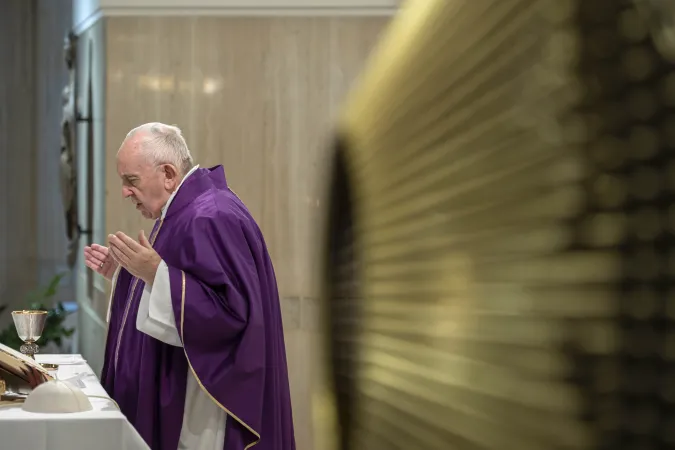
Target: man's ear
170	176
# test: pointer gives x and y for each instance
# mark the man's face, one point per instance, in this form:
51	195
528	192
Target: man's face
146	185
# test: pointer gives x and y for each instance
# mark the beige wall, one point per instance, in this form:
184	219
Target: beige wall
257	95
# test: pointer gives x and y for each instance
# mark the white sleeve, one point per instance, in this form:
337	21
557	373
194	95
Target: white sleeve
155	312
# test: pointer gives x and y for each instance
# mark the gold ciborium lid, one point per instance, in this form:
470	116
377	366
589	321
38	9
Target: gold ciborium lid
29	326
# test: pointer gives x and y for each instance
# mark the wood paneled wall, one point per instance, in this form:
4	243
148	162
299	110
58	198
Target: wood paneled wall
257	95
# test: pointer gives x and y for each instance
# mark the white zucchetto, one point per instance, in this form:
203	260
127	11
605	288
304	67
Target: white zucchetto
56	397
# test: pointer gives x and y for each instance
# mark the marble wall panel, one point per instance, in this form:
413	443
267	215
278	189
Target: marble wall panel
255	94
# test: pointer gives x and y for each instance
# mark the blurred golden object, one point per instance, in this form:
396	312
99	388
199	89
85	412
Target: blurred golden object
500	268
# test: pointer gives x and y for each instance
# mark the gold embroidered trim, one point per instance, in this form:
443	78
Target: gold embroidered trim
153	238
227	411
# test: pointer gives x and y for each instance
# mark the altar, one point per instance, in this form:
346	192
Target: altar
103	428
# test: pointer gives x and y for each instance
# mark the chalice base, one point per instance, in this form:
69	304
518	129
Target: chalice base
29	349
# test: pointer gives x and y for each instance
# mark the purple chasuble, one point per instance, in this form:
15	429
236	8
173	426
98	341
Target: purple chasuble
226	305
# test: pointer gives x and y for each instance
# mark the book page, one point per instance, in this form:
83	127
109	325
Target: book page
19	364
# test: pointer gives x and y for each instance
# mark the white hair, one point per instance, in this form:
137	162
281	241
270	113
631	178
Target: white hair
164	144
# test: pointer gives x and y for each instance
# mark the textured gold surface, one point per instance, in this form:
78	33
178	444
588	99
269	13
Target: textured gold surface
500	267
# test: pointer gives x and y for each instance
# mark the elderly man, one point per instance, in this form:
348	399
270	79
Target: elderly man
195	353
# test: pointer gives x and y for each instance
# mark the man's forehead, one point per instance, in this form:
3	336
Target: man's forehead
129	162
128	150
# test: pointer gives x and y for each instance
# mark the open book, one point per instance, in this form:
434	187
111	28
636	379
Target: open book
19	371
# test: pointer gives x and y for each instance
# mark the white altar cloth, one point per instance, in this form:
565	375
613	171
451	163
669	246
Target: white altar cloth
103	428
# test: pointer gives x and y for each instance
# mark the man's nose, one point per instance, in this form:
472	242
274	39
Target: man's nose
126	192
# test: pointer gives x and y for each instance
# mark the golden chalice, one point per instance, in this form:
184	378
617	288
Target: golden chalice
29	326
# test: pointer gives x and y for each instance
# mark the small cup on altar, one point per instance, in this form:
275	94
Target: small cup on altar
29	326
52	369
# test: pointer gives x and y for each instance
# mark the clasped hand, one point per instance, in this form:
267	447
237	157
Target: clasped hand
139	258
